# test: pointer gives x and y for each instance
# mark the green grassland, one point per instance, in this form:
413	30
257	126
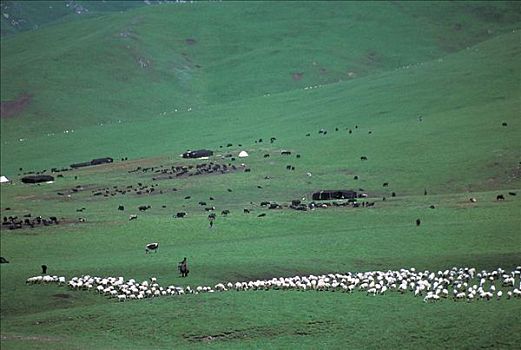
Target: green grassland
151	82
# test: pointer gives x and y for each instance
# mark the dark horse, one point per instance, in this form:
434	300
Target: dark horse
183	268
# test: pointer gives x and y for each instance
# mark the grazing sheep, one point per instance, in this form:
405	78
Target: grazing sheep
151	247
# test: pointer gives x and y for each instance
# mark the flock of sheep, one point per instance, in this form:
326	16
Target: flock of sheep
465	284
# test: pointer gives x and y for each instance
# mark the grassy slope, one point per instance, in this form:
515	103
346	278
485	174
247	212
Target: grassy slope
94	75
460	146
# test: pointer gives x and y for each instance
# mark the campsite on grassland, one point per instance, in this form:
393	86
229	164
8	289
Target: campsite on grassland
417	103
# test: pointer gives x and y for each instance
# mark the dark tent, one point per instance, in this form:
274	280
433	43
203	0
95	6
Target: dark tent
93	162
198	154
334	194
101	161
37	178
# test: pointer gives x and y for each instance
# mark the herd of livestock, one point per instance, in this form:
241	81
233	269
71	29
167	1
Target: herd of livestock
458	284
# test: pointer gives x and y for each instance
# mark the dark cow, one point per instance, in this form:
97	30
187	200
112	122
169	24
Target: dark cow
504	124
121	207
181	214
308	134
246	211
298	155
432	207
151	247
500	197
143	207
261	215
230	190
209	208
272	139
355	177
202	203
44	269
225	212
418	222
385	184
512	193
188	197
264	203
3	260
363	158
393	194
285	153
266	155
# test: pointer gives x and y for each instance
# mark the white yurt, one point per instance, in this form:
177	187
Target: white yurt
243	154
4	179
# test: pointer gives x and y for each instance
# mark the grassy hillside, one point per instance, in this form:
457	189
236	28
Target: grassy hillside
141	63
420	89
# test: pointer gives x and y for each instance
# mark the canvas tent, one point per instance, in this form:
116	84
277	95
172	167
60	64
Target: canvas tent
334	194
37	179
198	154
93	162
4	179
243	154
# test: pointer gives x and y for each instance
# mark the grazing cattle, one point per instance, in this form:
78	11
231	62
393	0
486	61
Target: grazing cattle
261	215
209	208
3	260
308	134
350	131
512	193
504	124
82	220
355	177
211	198
363	158
211	216
500	197
181	214
246	211
247	170
418	222
188	197
264	203
473	200
121	207
202	203
132	217
393	194
288	167
151	247
259	186
225	212
425	192
272	139
298	155
285	153
44	269
229	190
385	184
143	207
266	155
432	207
